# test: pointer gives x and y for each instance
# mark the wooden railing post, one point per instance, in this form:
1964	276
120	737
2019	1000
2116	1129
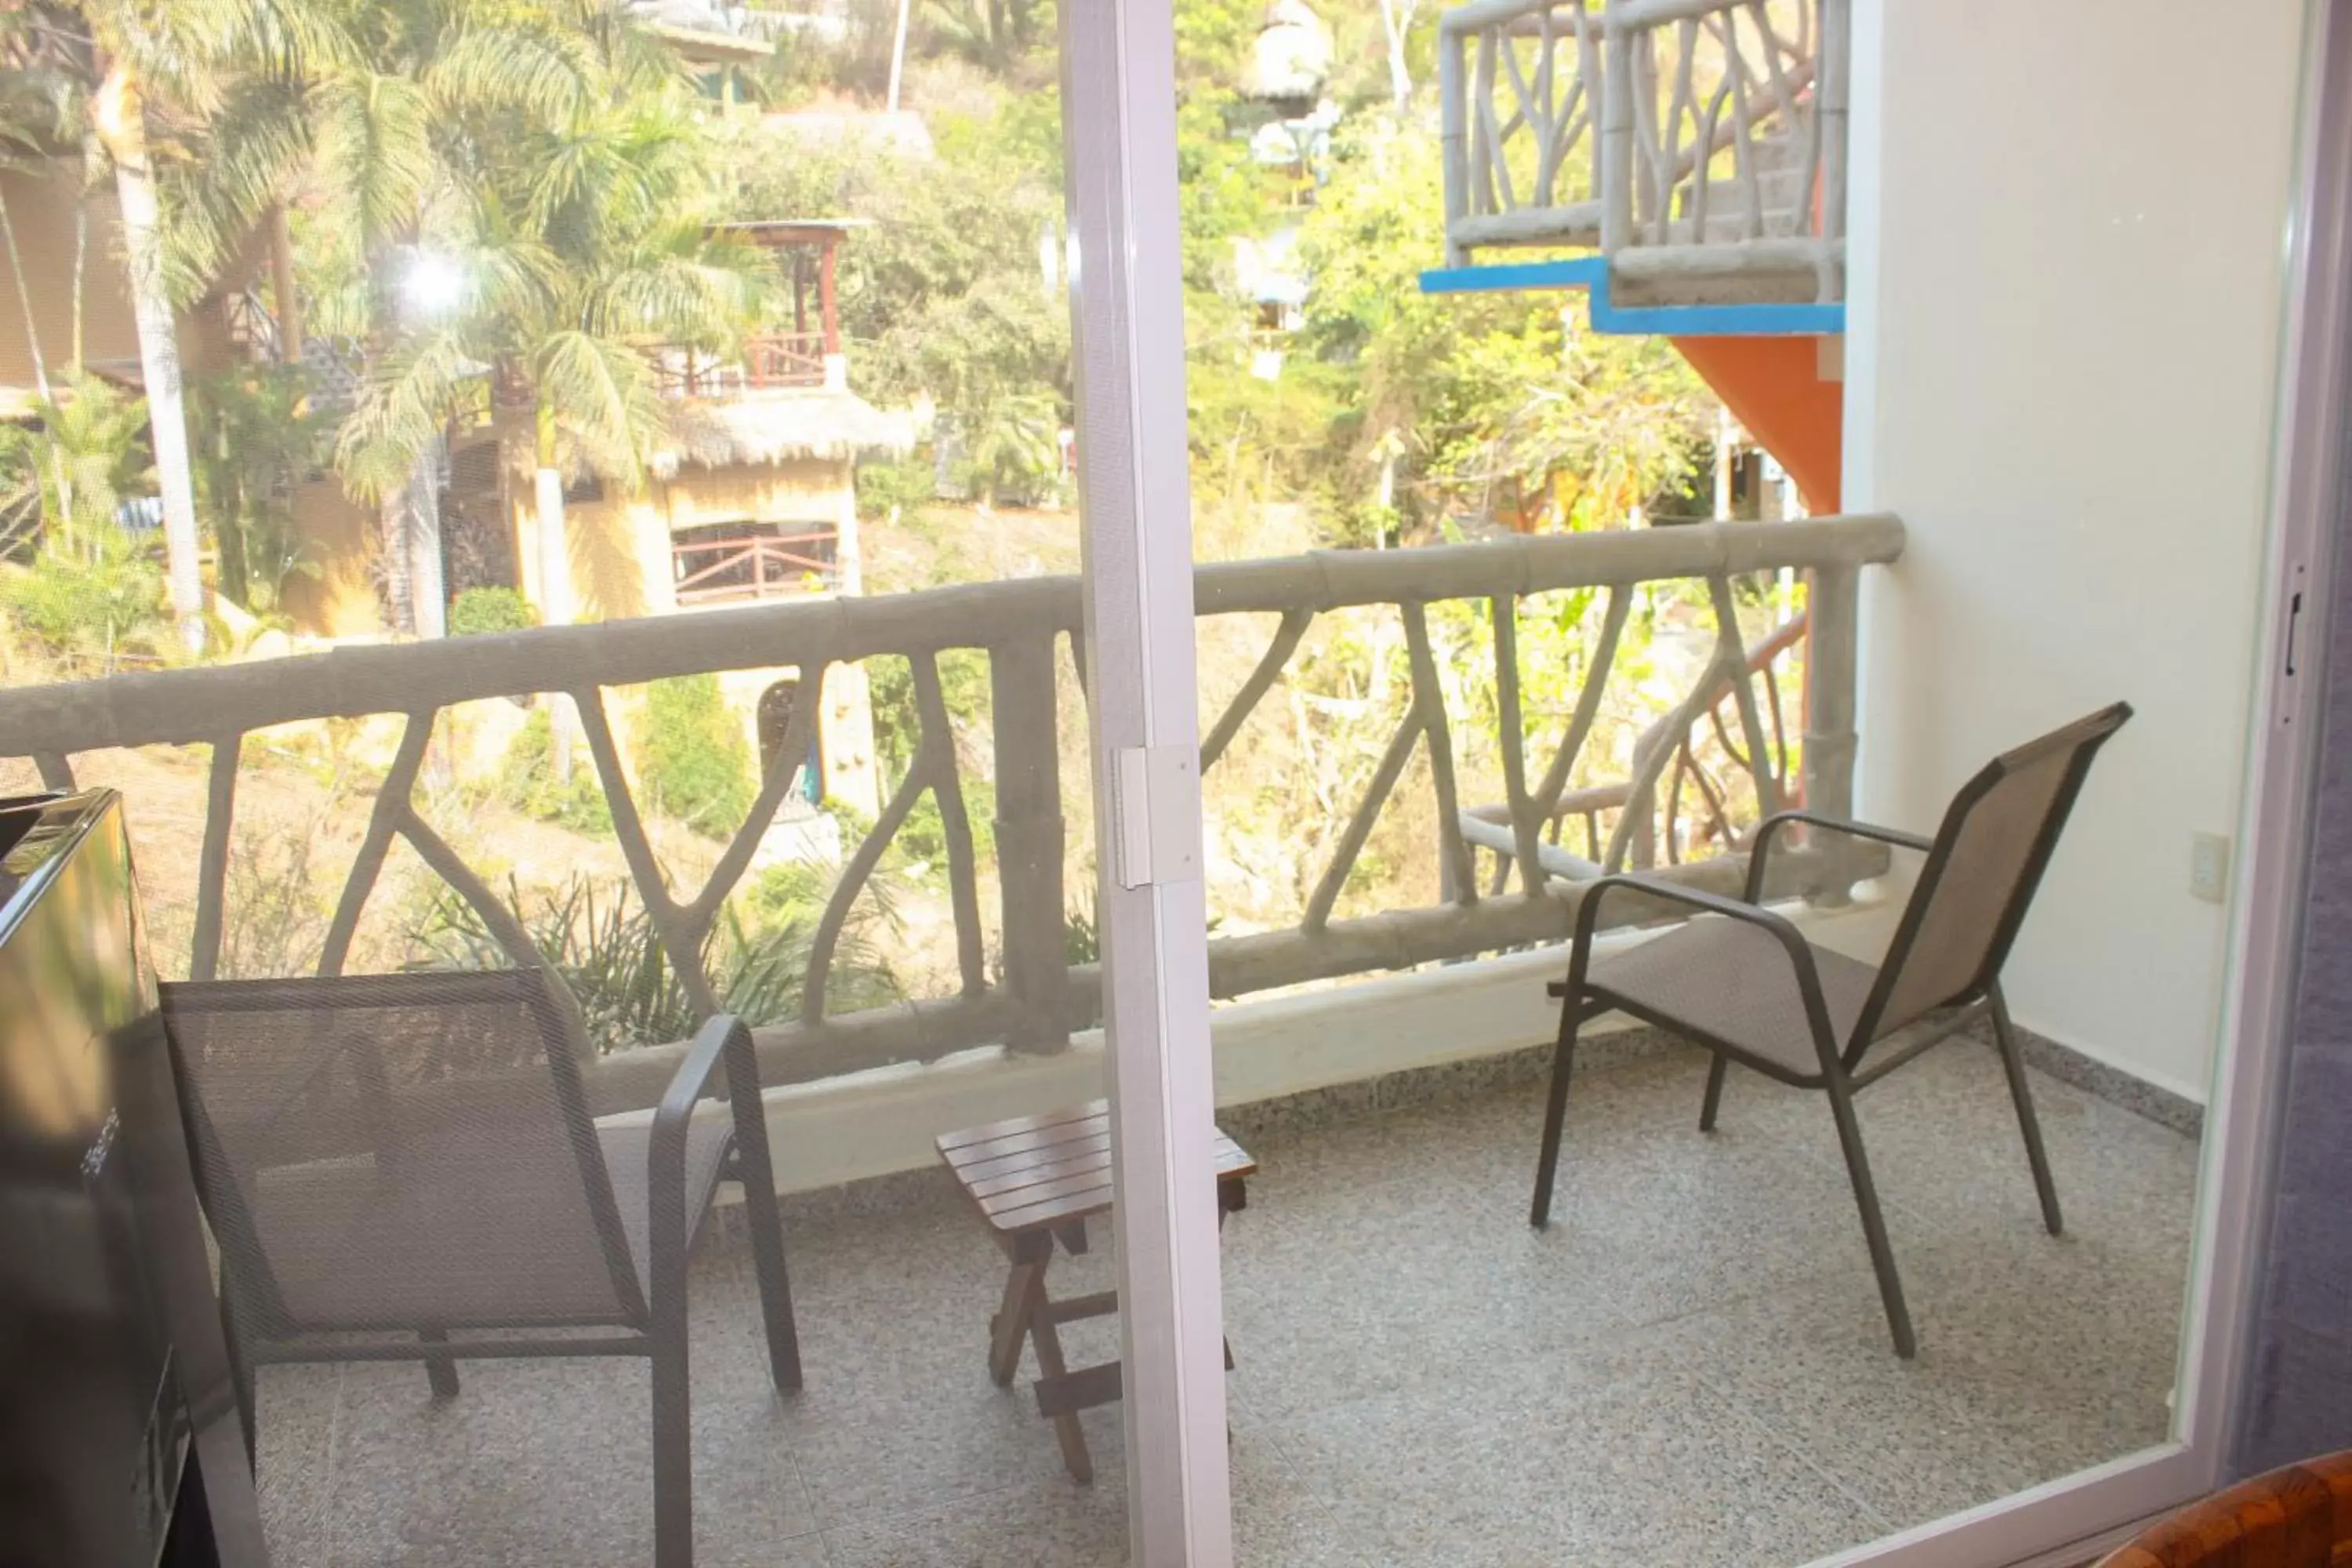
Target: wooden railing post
1029	831
1832	112
1453	121
1615	111
1831	653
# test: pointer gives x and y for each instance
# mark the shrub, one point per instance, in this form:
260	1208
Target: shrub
529	784
898	490
600	940
94	604
696	764
490	610
922	839
791	893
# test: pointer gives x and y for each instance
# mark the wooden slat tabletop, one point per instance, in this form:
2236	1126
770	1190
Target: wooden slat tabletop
1035	1170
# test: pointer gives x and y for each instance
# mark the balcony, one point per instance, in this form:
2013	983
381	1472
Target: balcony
731	561
1691	1366
1698	145
770	361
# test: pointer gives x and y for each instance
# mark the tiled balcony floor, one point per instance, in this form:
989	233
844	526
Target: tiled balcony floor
1691	1367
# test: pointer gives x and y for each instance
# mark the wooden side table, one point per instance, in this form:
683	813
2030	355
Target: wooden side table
1036	1180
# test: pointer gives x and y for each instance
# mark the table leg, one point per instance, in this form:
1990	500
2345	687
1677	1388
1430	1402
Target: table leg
1051	1367
1023	1287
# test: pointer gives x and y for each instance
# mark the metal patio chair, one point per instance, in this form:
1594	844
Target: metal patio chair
1742	981
395	1160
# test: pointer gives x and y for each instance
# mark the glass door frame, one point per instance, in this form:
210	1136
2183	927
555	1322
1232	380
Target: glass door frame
1118	108
1118	115
2072	1520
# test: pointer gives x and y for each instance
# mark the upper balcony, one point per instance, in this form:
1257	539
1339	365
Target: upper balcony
1699	146
770	361
808	354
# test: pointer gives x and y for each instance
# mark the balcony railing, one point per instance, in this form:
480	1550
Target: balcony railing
768	359
1033	996
1681	138
754	565
252	330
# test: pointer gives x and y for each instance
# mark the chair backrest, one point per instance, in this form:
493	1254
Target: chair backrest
2299	1517
399	1151
1980	876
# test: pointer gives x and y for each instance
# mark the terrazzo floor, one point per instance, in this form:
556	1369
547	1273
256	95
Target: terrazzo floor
1690	1367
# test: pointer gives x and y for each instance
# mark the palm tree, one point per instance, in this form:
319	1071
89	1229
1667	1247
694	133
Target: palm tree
38	110
35	113
134	60
585	251
82	459
406	138
375	113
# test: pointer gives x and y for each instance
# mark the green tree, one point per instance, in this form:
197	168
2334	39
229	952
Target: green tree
88	587
695	763
79	461
948	296
579	231
255	438
1498	405
143	61
405	138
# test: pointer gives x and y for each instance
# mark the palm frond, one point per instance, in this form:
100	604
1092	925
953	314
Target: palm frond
673	300
401	412
543	72
602	397
376	151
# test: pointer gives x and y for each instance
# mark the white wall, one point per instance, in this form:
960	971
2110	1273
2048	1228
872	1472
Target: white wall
2068	230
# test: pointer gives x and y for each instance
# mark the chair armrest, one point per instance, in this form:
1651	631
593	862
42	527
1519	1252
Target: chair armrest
1772	825
1588	912
724	1041
1777	925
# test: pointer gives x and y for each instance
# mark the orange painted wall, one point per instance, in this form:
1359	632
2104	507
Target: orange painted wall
1773	386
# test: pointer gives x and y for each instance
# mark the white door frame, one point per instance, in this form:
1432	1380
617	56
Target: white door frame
1118	111
2072	1520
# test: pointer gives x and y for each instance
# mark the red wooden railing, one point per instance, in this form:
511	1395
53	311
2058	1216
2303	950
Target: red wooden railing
768	359
753	566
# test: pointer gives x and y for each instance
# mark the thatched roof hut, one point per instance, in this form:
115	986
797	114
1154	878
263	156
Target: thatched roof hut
779	426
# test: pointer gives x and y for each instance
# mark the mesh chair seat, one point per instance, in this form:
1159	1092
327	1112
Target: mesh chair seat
367	1248
414	1153
626	1151
1733	981
367	1242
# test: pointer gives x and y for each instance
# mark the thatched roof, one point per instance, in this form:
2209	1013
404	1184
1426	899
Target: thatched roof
779	426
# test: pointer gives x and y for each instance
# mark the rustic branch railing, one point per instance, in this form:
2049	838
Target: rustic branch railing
1681	138
1493	828
1038	996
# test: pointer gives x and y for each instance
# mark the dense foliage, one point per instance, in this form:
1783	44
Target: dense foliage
1392	413
479	610
533	186
693	758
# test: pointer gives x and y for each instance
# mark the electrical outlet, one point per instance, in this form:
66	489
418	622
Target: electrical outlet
2209	866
